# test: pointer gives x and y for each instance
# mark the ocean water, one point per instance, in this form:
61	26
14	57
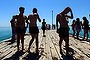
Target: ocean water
5	33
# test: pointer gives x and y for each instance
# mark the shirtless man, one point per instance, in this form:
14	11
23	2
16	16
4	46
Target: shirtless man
20	25
63	31
34	28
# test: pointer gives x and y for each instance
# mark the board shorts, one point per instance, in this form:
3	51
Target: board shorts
33	30
20	30
63	31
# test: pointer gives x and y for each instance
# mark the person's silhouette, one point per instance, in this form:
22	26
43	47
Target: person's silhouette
85	27
34	28
13	26
78	27
63	31
43	27
20	25
73	27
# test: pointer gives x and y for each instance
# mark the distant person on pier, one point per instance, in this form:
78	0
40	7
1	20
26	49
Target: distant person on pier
20	27
13	26
34	28
43	27
54	26
85	25
77	27
63	31
73	27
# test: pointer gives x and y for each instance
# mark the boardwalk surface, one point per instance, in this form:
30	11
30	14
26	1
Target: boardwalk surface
48	49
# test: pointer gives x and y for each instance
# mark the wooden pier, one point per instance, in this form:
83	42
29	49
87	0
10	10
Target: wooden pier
48	49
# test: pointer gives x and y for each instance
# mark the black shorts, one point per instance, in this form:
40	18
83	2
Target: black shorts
20	30
64	32
33	30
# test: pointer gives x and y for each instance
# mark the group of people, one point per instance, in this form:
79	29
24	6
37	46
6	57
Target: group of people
63	30
18	23
78	25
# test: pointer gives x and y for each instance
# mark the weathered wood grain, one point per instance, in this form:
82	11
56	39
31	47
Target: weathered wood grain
48	48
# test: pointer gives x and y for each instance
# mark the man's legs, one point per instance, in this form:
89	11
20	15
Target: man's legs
67	44
29	29
73	33
31	42
13	35
37	42
87	34
22	41
84	35
60	44
13	38
77	34
43	32
18	41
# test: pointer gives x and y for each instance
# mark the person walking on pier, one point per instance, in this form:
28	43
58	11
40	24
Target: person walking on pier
20	27
78	27
34	28
85	25
43	27
63	31
73	27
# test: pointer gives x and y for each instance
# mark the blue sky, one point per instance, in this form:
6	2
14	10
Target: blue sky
8	8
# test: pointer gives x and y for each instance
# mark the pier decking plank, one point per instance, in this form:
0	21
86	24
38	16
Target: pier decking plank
48	49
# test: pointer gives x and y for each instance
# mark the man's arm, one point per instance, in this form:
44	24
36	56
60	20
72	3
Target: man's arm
71	17
39	19
26	21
